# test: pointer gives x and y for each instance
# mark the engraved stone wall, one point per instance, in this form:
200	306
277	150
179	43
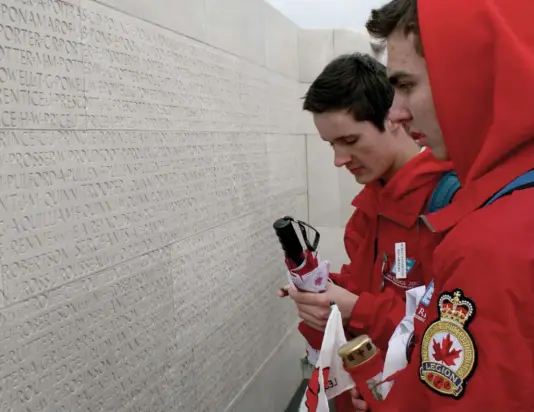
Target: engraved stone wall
140	173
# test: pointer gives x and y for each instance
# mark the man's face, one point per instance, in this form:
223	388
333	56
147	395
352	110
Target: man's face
365	151
413	105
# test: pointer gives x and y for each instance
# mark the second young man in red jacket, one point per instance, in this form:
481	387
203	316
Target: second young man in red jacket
350	101
464	78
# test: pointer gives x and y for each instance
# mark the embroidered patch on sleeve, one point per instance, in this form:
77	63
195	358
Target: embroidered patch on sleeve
448	352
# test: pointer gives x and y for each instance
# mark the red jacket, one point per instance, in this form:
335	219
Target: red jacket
384	216
483	351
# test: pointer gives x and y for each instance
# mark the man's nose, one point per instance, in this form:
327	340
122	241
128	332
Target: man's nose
399	111
341	157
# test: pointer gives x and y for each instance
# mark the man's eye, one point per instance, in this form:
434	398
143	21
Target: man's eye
350	140
406	87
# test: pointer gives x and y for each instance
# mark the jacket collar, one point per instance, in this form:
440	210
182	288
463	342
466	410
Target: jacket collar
403	198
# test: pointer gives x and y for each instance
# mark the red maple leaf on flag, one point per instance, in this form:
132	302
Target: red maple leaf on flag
443	351
312	392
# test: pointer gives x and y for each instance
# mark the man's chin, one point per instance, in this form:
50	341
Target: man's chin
362	180
440	153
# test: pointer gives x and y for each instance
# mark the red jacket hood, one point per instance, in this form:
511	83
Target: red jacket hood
483	89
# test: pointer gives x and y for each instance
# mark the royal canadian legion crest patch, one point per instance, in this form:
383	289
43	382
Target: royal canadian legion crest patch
448	353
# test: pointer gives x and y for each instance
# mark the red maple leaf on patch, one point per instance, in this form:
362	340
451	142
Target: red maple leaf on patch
312	392
443	351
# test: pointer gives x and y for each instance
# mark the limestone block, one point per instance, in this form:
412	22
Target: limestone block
351	41
270	380
323	187
332	247
181	16
286	157
85	333
281	43
306	124
238	27
381	54
42	70
330	189
233	271
145	78
155	79
316	49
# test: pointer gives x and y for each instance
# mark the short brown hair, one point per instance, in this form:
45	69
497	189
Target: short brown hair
396	15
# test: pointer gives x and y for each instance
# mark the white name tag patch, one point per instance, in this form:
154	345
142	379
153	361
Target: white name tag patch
400	260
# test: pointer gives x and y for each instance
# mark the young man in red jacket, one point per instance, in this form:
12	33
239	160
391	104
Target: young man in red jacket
350	101
470	65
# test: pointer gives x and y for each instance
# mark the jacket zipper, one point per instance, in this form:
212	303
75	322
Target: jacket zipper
427	224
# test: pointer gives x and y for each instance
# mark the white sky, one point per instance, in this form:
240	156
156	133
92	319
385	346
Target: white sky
349	14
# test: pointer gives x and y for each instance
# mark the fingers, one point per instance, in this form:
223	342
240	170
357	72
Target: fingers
314	316
317	324
359	404
311	299
283	292
318	312
313	308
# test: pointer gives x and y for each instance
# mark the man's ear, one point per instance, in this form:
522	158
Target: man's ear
392	126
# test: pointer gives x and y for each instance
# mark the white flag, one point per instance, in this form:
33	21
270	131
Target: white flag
314	281
328	379
396	354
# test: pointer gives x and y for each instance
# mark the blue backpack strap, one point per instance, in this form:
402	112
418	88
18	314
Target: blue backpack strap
522	182
444	192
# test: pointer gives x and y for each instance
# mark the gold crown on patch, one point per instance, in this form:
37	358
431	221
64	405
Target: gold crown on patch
455	309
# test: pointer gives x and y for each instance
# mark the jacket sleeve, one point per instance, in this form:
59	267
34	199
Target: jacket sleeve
499	280
340	278
377	315
407	393
354	235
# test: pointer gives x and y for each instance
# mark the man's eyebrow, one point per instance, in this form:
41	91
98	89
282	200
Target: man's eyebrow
396	76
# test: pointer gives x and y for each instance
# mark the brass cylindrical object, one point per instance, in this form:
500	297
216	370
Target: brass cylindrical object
363	361
357	351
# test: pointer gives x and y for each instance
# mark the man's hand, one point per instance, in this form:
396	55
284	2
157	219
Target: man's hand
314	308
359	404
283	292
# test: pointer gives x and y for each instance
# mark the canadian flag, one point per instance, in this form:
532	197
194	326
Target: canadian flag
328	379
311	276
